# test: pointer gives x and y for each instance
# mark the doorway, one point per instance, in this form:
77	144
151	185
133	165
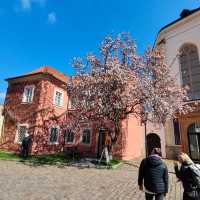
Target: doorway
101	142
194	141
153	141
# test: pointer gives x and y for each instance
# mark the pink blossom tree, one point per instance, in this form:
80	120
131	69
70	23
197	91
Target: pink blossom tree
118	82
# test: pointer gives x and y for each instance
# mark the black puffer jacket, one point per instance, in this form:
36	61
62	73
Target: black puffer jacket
154	173
185	175
26	142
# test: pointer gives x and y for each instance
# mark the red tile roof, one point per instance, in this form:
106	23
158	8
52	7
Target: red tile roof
52	71
46	70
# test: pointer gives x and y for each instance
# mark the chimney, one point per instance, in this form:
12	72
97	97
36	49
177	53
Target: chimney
185	13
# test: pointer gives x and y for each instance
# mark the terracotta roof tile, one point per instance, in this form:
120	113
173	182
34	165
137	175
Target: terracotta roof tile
52	71
45	69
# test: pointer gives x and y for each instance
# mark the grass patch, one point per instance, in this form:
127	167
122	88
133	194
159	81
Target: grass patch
112	164
8	156
53	159
115	163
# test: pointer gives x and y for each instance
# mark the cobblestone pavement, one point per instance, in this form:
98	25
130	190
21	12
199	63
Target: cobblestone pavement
22	182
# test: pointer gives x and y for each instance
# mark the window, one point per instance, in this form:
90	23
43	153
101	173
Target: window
28	94
86	136
71	103
69	136
194	141
58	96
190	70
53	139
176	132
21	130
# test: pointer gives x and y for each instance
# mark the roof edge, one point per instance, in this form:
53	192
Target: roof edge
29	75
192	12
22	76
179	19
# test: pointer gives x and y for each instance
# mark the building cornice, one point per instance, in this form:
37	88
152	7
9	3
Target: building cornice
176	24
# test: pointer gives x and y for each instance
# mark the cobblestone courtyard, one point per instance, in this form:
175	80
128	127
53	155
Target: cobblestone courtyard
22	182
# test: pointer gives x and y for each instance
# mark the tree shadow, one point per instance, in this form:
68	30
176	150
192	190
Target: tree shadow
59	160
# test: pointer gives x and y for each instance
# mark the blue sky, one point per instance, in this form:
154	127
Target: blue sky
51	32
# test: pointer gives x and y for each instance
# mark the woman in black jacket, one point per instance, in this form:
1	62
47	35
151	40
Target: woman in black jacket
186	176
154	173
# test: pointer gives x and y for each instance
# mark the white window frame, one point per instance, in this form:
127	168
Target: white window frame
73	139
54	97
17	132
81	138
70	104
24	96
56	142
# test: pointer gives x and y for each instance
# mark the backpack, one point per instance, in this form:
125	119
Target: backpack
195	169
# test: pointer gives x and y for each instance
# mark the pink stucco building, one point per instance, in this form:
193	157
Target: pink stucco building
38	102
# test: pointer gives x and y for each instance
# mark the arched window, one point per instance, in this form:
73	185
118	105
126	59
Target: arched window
190	69
176	132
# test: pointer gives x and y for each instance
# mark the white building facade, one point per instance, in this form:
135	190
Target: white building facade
181	42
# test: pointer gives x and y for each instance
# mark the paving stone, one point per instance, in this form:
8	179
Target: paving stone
19	181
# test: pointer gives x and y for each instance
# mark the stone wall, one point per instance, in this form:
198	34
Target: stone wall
172	152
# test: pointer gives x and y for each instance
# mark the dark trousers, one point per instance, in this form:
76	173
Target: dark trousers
157	196
24	152
194	195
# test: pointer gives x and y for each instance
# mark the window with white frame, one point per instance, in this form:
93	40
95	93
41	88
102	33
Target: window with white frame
58	98
22	129
68	136
28	94
53	138
86	136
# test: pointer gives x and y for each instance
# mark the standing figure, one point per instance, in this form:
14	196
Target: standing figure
108	144
154	173
189	175
26	142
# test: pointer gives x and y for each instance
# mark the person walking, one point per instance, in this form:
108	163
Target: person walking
26	142
154	173
189	175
